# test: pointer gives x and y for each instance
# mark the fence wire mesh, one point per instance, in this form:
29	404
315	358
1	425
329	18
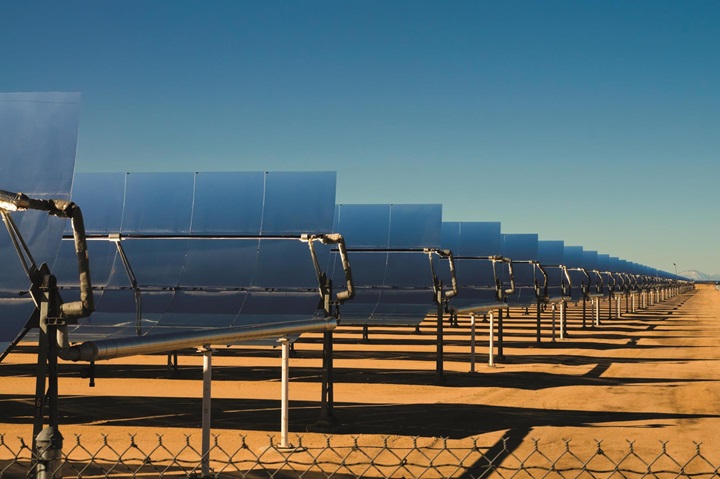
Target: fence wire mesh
349	457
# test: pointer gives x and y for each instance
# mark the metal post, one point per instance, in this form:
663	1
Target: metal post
206	408
472	342
491	352
584	311
327	419
627	302
539	333
48	442
562	319
40	383
500	354
554	308
284	418
439	356
597	311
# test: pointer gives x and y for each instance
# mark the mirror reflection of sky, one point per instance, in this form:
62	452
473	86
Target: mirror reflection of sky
590	122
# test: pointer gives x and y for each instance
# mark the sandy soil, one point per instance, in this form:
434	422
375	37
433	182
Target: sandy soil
647	377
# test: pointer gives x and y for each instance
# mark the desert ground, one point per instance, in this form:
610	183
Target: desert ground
646	378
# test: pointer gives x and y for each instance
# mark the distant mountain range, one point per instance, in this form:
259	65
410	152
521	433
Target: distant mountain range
696	275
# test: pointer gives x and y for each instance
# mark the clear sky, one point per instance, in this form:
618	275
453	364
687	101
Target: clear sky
592	122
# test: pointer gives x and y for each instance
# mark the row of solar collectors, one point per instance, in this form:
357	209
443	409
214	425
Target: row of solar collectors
222	249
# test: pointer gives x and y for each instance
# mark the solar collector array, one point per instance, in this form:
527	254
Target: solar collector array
391	271
209	250
475	246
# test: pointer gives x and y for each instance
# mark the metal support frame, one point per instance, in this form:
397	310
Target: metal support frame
53	316
441	297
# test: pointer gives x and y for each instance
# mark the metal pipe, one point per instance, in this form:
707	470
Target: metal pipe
334	238
62	209
130	346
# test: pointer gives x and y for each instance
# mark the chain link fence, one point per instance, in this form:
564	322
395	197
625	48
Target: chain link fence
351	457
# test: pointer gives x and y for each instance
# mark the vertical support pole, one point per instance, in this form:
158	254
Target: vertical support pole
500	354
627	302
597	311
472	342
554	308
206	409
40	383
539	332
610	306
48	442
284	396
440	339
562	319
584	311
491	348
327	419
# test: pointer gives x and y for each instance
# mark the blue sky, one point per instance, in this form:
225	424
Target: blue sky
592	122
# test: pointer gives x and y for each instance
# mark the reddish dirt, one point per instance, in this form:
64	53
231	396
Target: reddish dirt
647	377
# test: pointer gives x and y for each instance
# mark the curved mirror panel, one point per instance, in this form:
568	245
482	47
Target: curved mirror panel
415	226
368	269
158	203
285	264
480	238
589	259
573	256
551	252
100	197
298	202
38	139
408	270
603	262
364	226
520	246
156	263
220	263
101	255
228	203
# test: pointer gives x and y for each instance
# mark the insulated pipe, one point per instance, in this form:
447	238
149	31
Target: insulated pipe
335	238
130	346
444	253
62	209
